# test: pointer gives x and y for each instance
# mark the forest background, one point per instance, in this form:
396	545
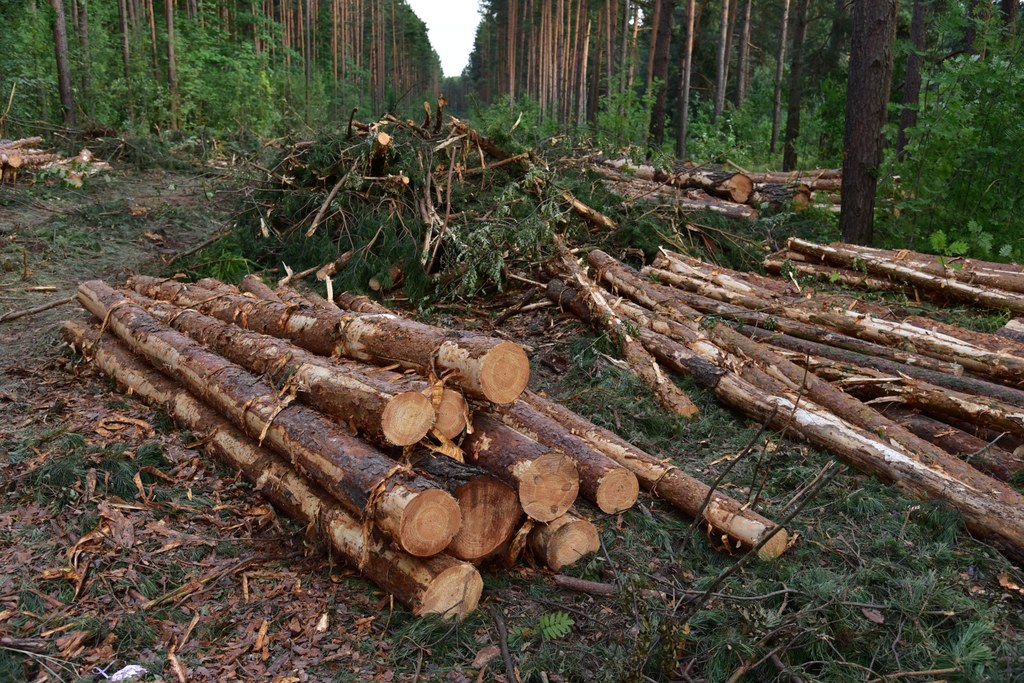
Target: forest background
766	85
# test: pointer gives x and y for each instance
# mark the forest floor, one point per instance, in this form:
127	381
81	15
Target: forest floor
121	544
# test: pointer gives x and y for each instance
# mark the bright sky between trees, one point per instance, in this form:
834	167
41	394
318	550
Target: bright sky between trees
451	25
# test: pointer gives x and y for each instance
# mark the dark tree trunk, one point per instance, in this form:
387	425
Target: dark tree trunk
684	84
83	41
723	62
912	82
796	88
172	68
660	72
1010	10
743	58
867	93
60	47
780	63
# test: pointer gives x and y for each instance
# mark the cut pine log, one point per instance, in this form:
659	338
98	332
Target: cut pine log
731	185
987	457
494	369
604	482
1013	330
642	363
778	195
490	508
725	515
911	274
435	585
779	262
407	507
564	541
547	481
386	413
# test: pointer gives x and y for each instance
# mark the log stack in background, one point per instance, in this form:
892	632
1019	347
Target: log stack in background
357	419
893	397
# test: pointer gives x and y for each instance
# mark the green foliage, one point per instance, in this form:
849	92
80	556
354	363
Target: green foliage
554	625
624	119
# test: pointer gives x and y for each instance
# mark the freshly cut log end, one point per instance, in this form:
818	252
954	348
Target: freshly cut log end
490	511
564	541
429	523
453	593
617	491
451	413
504	372
407	418
548	486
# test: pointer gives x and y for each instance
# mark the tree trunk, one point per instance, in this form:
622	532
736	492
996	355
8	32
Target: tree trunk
564	541
780	65
664	38
684	82
86	67
796	88
172	66
722	69
912	80
867	95
610	486
495	370
405	506
743	58
60	49
385	413
547	481
1010	10
841	255
437	584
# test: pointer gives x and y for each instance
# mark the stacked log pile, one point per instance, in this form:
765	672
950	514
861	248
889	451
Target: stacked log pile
736	194
25	156
936	409
413	451
937	278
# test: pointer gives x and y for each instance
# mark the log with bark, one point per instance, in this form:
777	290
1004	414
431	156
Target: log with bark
489	507
771	391
547	481
1014	330
723	514
388	414
494	369
781	261
422	518
254	285
944	282
564	541
641	362
438	584
734	186
778	195
604	482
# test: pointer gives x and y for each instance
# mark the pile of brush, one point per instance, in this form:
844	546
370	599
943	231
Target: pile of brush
415	452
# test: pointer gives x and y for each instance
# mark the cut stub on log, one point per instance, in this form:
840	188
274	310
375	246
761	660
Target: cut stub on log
547	481
408	507
564	541
434	585
490	508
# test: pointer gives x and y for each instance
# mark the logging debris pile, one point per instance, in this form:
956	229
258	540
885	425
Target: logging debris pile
23	156
934	408
415	453
439	207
